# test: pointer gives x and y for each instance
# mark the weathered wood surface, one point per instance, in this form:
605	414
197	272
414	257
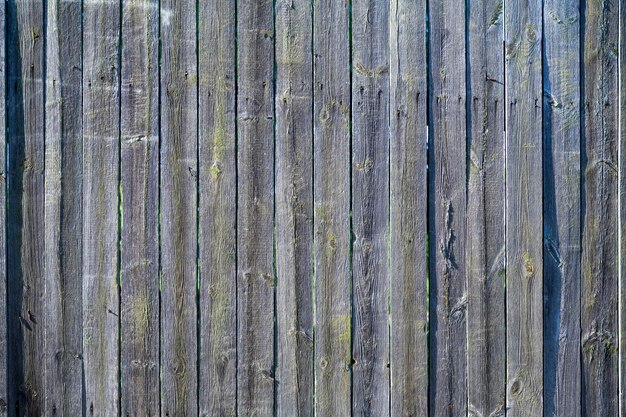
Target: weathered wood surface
622	207
255	210
561	208
524	219
63	210
599	164
447	210
486	366
294	209
3	220
139	256
100	272
178	205
217	209
408	209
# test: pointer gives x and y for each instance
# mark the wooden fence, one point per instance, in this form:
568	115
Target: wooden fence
320	207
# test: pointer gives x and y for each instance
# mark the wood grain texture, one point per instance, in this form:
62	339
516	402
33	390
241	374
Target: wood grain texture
447	210
331	184
294	208
599	267
486	366
63	210
218	207
101	42
4	382
622	207
139	257
25	207
178	202
408	209
255	214
561	208
524	243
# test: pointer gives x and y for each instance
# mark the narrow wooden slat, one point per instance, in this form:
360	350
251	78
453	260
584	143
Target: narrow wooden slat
255	225
218	208
622	208
178	205
63	210
25	208
408	208
139	257
447	210
3	218
561	208
599	268
101	206
331	184
294	208
524	243
486	366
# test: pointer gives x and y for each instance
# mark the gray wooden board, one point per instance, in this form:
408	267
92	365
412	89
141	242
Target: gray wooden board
63	210
622	206
331	184
218	202
25	207
447	210
408	208
3	219
561	208
294	209
178	205
139	257
599	269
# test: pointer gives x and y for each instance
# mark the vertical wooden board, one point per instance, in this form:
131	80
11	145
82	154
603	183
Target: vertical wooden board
101	206
447	209
178	204
524	243
486	366
63	210
599	268
139	256
408	209
331	185
294	208
3	219
218	208
561	208
25	208
255	225
622	207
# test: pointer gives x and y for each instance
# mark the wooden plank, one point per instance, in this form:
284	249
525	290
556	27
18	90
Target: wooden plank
101	206
486	366
331	185
622	208
294	208
408	209
599	264
25	209
524	243
139	256
179	172
561	208
255	236
218	208
63	210
3	219
447	210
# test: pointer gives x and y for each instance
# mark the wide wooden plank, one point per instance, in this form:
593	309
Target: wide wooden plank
561	208
294	208
3	219
218	204
139	256
63	210
25	207
255	213
486	366
447	210
408	209
599	264
524	243
178	202
101	43
331	184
